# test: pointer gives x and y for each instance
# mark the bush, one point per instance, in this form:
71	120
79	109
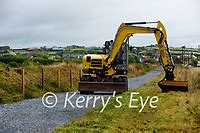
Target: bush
14	64
194	62
44	61
28	94
78	51
42	56
13	60
133	59
74	60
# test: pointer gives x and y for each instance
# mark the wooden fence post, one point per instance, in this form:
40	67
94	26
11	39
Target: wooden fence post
58	78
23	82
70	78
42	78
80	74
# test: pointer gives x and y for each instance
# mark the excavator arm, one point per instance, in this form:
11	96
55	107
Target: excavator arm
128	29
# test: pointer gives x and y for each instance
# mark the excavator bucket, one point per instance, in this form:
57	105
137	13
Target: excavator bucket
168	85
91	87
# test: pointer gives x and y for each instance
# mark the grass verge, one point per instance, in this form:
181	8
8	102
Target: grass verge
138	69
176	111
10	81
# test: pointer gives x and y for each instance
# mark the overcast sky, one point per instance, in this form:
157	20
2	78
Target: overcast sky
34	23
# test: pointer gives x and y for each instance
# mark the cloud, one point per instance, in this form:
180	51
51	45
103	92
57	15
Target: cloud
64	22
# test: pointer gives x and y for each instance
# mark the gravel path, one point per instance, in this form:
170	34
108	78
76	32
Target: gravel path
32	116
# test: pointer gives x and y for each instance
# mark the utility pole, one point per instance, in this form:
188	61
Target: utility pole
183	54
188	57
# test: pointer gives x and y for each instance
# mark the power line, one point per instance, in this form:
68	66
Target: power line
189	36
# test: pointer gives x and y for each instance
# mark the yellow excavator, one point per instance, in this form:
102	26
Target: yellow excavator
108	72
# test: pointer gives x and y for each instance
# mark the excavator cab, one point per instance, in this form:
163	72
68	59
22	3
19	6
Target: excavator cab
96	75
